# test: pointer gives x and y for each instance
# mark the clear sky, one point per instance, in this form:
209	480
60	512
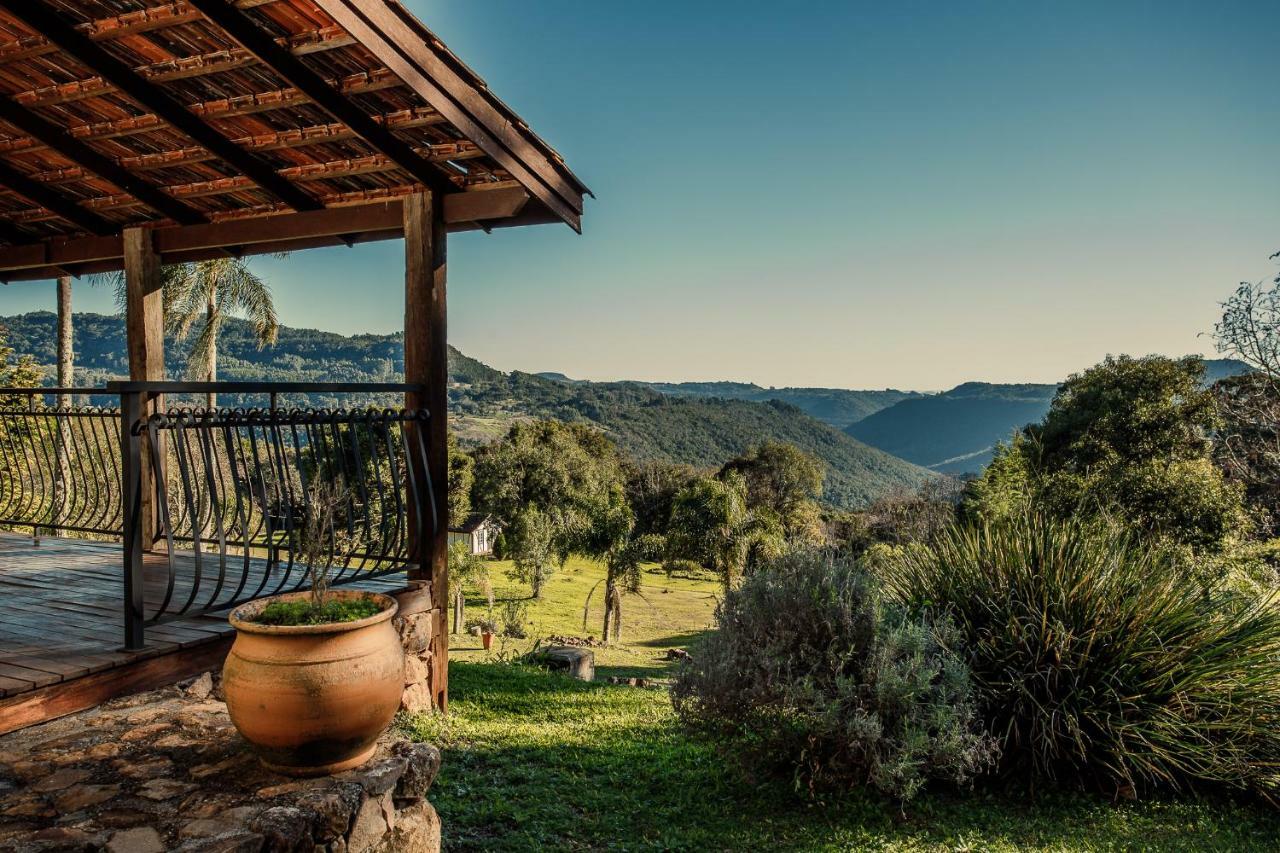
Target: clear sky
847	194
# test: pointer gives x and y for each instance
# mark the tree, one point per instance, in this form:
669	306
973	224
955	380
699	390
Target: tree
787	481
1128	438
713	524
542	482
465	568
651	489
462	477
1248	446
202	295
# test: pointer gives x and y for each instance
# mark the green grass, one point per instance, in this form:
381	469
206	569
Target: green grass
666	613
535	761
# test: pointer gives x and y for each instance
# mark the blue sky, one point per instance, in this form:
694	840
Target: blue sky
846	194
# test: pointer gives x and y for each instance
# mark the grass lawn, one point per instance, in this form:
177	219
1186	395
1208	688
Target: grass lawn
535	761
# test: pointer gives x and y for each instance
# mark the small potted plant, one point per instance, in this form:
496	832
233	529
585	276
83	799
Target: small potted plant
484	628
314	677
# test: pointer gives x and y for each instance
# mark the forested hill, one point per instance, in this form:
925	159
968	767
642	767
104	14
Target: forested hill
484	402
956	431
836	406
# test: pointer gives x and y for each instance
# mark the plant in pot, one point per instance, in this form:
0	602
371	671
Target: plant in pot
484	627
314	677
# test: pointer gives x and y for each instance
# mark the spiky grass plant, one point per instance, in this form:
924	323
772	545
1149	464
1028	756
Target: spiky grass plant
1100	660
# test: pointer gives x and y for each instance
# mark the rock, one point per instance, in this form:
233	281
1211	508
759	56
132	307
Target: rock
370	825
83	796
236	842
202	687
207	827
64	778
417	829
285	828
154	769
122	818
164	789
422	765
415	669
139	839
380	776
146	732
63	838
202	771
416	698
334	809
103	750
577	662
33	807
415	633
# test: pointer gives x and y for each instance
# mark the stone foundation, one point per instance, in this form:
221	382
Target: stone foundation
416	622
166	770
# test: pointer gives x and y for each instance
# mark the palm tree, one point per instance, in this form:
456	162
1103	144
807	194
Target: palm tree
202	295
212	291
713	523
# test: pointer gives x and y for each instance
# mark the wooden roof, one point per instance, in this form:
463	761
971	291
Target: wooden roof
246	126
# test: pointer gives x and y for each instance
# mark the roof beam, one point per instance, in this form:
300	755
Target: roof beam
53	201
380	31
106	29
185	67
463	211
87	158
239	105
40	18
250	36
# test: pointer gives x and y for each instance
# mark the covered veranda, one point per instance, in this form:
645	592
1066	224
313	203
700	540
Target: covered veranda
140	133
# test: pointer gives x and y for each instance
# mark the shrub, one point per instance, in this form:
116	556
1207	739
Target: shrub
1101	661
514	614
810	671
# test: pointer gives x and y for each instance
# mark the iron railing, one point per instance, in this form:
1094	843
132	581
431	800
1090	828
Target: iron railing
60	461
217	507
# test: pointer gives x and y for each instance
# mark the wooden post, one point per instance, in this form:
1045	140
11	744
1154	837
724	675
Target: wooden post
426	362
144	333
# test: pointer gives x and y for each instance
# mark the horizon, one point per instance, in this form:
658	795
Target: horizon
991	193
865	388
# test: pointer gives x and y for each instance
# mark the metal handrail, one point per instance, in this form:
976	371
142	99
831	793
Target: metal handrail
220	481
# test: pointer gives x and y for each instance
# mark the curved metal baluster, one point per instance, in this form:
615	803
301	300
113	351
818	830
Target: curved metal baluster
160	474
180	432
365	497
230	440
284	491
215	513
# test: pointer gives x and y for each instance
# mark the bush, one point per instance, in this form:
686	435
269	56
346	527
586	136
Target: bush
1100	661
514	615
811	672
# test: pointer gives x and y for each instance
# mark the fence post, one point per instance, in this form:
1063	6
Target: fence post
132	406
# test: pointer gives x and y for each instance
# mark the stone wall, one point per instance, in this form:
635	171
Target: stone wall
417	621
166	770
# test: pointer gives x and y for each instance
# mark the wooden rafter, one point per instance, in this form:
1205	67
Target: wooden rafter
184	68
53	201
297	74
257	234
118	26
40	18
88	159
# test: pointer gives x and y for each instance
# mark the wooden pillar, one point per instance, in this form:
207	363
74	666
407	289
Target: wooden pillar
426	362
144	333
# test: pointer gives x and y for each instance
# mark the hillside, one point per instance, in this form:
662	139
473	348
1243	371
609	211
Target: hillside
838	407
956	431
484	402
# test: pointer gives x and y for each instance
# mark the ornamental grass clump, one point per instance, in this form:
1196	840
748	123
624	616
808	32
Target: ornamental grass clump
809	672
1102	661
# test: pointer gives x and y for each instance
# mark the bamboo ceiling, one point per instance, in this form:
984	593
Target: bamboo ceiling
116	113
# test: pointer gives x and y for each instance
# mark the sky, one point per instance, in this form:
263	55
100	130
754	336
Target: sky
849	195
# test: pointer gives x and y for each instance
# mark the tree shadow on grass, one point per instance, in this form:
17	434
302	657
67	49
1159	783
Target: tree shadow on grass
538	761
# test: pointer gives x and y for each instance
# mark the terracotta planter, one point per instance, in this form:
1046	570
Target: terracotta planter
487	639
313	699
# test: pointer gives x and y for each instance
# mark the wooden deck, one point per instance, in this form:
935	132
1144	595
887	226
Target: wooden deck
62	632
